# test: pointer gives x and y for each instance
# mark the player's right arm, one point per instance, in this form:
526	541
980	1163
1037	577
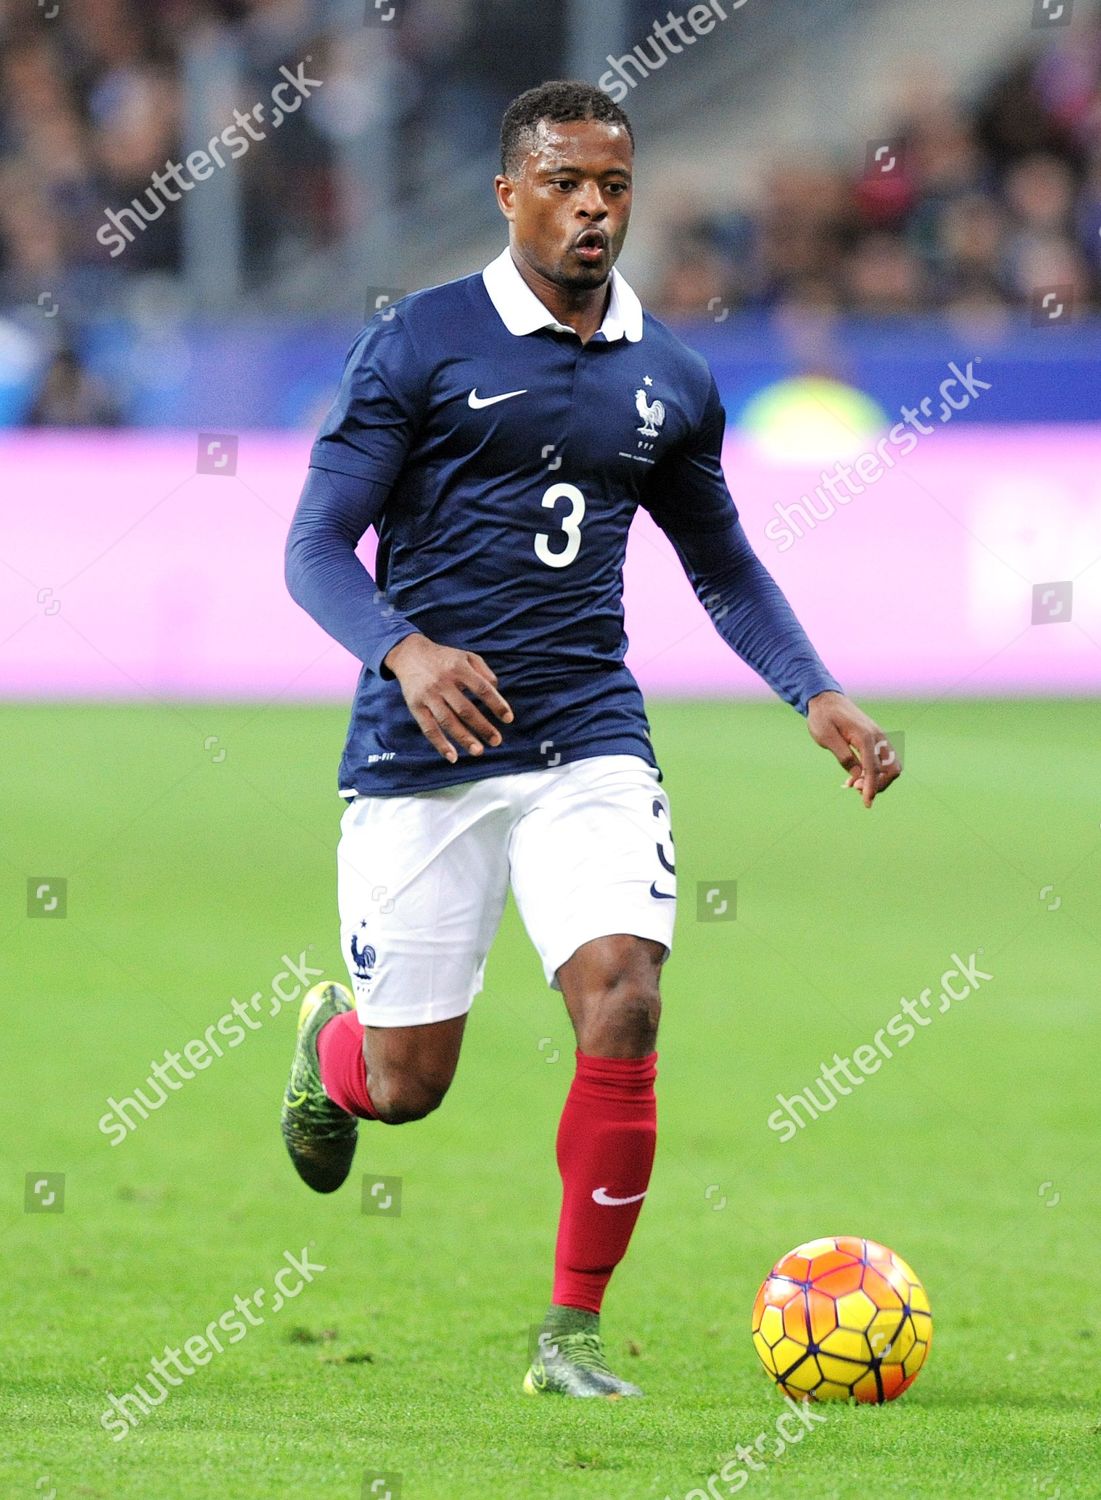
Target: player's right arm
325	576
359	453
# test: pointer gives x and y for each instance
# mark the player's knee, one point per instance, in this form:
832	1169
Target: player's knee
400	1098
635	1018
621	1017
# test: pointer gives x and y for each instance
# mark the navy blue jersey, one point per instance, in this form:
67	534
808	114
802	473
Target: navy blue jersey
502	461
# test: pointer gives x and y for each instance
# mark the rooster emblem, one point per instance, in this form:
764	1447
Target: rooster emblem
651	412
363	958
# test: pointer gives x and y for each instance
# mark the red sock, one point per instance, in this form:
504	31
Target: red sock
343	1070
605	1152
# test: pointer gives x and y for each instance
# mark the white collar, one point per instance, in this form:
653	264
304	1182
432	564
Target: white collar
522	312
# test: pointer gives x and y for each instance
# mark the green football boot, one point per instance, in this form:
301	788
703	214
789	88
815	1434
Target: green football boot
570	1360
320	1136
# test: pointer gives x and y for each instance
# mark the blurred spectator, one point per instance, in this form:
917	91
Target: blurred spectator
883	277
71	397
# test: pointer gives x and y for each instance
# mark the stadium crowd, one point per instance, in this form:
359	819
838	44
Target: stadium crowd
972	204
92	103
965	205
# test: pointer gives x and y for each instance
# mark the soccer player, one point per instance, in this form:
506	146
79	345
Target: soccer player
499	432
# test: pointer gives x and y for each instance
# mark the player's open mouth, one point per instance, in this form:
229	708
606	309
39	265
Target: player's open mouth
591	246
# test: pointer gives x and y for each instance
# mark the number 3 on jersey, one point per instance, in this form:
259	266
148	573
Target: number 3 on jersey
571	526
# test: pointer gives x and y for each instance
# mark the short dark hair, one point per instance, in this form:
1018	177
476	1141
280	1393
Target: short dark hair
560	102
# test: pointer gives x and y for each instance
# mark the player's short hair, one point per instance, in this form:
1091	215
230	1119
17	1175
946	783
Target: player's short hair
560	103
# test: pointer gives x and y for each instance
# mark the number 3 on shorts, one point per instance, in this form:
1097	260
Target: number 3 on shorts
571	525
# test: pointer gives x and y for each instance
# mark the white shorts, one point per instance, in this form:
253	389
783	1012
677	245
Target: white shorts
422	879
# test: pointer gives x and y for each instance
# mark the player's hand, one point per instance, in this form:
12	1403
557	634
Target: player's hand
435	682
837	724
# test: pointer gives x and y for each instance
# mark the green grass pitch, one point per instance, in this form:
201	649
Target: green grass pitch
198	844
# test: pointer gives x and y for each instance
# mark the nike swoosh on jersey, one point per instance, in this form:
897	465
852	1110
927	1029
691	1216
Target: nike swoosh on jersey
602	1196
661	895
477	403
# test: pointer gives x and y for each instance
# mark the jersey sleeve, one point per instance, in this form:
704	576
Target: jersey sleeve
325	576
687	492
368	430
690	501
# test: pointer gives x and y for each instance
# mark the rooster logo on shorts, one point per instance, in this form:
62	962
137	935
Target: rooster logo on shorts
363	958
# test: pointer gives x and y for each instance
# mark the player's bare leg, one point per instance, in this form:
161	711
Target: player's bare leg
409	1069
344	1072
612	994
605	1153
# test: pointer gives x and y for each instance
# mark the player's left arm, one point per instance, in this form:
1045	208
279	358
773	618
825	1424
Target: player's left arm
689	500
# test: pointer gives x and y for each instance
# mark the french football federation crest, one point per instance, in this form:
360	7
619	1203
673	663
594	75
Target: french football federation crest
651	412
363	958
